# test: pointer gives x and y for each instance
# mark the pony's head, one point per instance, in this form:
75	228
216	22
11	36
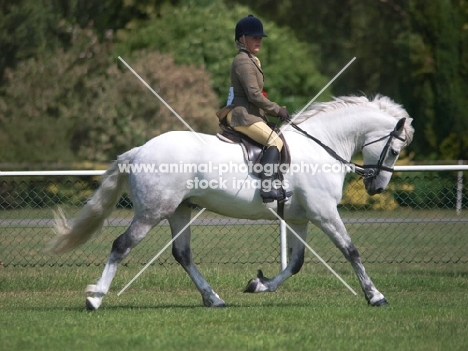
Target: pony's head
381	154
384	135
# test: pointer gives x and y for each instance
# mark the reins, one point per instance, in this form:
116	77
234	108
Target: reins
365	171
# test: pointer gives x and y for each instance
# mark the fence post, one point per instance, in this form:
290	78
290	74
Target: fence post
459	189
283	245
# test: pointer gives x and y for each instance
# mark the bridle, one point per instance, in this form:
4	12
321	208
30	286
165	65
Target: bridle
365	171
372	171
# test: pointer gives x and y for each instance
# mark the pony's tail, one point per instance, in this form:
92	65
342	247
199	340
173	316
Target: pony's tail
96	210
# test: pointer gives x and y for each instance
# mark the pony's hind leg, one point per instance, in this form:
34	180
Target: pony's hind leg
182	253
120	249
296	260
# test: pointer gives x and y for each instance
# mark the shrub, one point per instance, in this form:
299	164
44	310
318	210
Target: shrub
77	105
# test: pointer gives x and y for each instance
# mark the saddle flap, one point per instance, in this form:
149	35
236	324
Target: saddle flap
253	151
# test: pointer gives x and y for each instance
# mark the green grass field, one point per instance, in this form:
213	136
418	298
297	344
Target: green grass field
42	308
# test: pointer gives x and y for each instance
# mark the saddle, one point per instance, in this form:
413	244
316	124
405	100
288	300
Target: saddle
252	150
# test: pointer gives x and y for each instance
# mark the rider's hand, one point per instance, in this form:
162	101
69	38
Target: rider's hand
283	114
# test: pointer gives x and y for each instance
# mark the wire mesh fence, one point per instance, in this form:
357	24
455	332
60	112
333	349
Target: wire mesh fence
421	218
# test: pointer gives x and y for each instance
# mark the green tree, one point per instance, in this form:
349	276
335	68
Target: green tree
30	27
415	51
436	86
341	30
106	16
204	36
26	29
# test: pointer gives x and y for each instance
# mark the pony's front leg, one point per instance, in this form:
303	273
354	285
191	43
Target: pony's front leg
336	231
296	260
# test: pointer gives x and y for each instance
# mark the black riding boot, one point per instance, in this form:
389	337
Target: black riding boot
271	188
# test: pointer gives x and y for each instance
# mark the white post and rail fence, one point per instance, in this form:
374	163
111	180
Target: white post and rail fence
457	192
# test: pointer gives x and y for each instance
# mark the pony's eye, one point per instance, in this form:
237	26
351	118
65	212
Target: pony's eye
394	152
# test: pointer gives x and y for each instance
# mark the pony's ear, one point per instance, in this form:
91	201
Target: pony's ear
400	125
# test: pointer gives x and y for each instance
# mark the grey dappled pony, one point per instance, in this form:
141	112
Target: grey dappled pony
379	128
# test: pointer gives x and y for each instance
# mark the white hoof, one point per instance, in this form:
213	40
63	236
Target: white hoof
378	300
93	303
255	286
259	284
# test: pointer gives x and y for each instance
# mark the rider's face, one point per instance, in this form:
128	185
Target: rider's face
253	44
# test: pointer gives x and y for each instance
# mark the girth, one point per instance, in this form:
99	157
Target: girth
252	150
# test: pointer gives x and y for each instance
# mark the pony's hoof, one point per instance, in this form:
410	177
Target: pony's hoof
259	284
219	304
252	286
213	300
380	303
92	303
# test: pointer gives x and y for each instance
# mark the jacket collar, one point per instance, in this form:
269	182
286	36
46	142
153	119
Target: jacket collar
254	59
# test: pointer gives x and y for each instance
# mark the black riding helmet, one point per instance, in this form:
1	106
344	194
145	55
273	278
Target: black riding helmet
249	25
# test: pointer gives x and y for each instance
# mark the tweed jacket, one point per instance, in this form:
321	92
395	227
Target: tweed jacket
249	103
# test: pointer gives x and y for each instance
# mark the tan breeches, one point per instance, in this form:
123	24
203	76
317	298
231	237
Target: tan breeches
260	132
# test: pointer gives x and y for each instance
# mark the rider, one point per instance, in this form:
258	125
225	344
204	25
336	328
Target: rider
248	104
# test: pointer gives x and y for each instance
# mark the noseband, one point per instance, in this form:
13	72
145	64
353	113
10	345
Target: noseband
372	171
365	171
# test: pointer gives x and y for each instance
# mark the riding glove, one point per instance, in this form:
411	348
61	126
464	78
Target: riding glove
283	114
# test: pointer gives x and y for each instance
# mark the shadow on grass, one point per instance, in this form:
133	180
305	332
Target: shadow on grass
164	306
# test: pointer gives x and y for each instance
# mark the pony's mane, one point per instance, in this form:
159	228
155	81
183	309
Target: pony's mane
380	102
